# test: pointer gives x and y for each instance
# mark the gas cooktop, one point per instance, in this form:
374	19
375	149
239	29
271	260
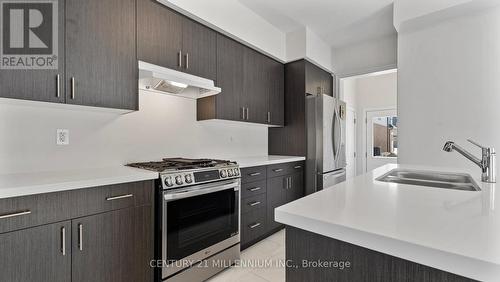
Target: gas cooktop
178	172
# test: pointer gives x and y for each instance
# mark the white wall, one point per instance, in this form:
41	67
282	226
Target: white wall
165	126
317	50
235	18
368	93
365	57
449	88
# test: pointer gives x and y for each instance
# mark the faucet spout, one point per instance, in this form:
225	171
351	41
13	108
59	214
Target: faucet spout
487	163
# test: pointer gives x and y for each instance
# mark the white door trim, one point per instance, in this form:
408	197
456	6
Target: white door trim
355	145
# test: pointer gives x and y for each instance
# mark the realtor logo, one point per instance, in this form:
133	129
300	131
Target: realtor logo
29	30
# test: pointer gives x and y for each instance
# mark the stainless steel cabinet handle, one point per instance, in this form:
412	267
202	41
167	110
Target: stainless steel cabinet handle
58	86
269	117
63	241
247	113
254	189
297	166
254	174
252	204
187	60
80	236
252	226
72	88
180	59
119	197
290	182
287	184
243	113
278	170
7	215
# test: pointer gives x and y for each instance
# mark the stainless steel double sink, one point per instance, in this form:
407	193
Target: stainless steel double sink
446	180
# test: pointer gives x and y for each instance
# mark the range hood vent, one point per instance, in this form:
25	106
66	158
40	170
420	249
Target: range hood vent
172	82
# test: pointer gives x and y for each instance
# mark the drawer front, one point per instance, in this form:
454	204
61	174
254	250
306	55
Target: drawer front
284	169
27	211
253	203
253	188
297	167
112	197
253	225
251	174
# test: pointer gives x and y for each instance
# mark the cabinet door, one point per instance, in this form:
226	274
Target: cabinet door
276	197
276	84
159	34
229	78
38	85
101	53
37	254
296	189
199	47
327	83
255	85
113	246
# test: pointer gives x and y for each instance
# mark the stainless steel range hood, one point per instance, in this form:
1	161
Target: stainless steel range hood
176	83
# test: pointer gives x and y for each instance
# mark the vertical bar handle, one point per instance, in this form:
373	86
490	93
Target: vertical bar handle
58	86
63	240
187	60
73	88
80	236
180	59
268	117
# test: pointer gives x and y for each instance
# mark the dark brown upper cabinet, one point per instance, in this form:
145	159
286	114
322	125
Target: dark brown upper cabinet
199	47
276	80
159	34
318	81
252	86
168	39
101	64
225	105
45	85
96	57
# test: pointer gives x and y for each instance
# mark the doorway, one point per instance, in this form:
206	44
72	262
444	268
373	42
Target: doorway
381	138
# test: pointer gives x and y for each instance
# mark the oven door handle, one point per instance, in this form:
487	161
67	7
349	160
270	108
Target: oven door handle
202	191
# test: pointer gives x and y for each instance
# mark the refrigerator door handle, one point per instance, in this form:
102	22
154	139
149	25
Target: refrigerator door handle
336	147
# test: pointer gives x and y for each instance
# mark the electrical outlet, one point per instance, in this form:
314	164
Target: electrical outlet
62	137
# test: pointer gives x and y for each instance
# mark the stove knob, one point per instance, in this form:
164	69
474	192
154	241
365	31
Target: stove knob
168	181
223	173
188	178
230	173
178	180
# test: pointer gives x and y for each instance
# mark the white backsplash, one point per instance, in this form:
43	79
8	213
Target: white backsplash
165	126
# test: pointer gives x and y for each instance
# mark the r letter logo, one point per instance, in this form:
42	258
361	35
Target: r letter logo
29	31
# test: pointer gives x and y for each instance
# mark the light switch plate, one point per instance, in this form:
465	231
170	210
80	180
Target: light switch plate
62	137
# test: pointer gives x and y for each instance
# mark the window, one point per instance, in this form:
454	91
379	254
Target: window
385	136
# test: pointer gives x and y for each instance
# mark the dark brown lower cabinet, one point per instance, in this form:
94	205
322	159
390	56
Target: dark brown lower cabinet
271	186
364	264
113	246
36	254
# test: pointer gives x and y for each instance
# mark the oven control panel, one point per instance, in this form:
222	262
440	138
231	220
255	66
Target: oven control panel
198	176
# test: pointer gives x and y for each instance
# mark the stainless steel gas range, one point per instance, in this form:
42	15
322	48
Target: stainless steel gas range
197	224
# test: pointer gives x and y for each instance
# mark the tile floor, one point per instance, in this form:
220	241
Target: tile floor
271	249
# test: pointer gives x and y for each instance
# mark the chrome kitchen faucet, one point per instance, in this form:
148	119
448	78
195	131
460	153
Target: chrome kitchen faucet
486	163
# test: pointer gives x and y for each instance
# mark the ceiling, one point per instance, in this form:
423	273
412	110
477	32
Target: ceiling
337	22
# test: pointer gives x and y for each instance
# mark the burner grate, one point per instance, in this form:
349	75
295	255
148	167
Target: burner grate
178	164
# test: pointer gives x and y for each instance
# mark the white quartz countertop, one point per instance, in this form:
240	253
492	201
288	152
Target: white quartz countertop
22	184
265	160
455	231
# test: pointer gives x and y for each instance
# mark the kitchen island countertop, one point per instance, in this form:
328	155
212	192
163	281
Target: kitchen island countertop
454	231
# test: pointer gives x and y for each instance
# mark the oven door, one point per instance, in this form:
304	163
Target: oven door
199	221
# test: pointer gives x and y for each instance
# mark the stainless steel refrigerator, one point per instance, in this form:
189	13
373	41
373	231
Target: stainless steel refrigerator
326	157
